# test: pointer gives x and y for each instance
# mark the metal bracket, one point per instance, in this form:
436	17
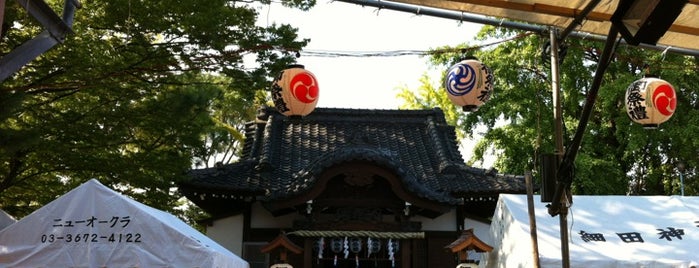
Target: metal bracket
56	30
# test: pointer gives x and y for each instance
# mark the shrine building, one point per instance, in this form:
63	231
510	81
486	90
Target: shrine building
349	188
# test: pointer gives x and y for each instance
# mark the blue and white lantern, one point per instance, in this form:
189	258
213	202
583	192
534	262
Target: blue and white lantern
469	84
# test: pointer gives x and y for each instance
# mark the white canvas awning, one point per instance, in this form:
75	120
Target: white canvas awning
94	226
6	219
684	33
605	231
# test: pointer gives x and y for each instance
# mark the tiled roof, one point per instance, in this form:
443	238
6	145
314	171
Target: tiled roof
282	156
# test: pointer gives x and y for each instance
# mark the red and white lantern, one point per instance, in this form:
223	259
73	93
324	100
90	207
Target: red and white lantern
469	84
295	91
650	101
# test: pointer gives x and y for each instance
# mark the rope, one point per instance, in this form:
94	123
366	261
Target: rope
371	234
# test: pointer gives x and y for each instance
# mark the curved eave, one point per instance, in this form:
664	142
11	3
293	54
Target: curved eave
216	199
306	179
419	198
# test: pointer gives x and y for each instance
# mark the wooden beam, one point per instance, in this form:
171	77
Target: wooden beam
565	12
543	9
684	29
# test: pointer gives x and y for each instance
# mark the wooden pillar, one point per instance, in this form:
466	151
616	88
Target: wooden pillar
247	216
308	252
406	247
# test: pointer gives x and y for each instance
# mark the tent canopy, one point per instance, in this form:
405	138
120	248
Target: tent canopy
6	219
94	226
605	231
684	33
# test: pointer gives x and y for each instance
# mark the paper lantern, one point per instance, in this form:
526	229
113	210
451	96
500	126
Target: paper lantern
650	101
469	84
295	91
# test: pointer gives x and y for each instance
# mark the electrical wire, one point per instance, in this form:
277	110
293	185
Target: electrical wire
398	53
464	50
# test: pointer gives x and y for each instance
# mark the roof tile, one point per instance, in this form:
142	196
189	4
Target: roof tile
282	155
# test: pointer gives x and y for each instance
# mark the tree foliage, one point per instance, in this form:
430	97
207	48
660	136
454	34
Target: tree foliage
138	94
617	156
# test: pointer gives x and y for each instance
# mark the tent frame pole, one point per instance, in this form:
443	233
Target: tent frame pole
558	138
564	174
532	218
578	19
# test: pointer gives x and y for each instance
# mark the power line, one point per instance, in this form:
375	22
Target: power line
398	53
465	50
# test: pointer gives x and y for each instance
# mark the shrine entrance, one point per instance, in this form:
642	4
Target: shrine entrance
360	196
359	215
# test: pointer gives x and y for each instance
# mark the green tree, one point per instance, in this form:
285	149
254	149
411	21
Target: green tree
138	94
617	156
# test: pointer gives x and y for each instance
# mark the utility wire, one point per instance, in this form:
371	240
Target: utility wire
463	50
398	53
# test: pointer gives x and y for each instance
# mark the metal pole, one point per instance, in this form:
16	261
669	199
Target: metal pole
681	168
69	8
556	88
2	14
563	225
558	137
447	14
56	30
565	169
532	218
681	184
462	16
578	19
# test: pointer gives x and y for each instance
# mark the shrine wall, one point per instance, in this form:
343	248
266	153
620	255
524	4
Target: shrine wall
445	222
480	229
262	218
228	232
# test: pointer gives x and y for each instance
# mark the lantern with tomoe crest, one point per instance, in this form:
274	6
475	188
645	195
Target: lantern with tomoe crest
469	84
650	101
295	91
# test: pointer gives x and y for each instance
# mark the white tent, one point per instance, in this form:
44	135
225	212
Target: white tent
6	219
605	231
94	226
